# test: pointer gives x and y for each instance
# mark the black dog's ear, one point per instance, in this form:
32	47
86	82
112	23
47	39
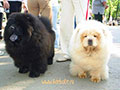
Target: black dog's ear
46	22
28	18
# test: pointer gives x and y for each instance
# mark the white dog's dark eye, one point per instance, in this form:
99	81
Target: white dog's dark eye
95	35
85	36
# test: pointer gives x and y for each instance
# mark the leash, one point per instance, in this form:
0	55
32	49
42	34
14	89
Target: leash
87	9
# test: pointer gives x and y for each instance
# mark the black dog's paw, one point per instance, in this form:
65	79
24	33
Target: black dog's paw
34	74
23	70
50	61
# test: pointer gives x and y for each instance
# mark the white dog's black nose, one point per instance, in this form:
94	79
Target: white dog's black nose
90	42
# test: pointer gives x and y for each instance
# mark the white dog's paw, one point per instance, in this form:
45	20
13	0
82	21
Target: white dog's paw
74	69
95	79
83	75
95	76
73	72
105	75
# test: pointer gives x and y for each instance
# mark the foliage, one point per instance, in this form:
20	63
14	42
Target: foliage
113	9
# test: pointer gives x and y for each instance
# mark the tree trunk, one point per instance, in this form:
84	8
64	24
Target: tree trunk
117	10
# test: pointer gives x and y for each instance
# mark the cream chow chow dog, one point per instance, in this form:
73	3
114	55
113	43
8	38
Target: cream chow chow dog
89	49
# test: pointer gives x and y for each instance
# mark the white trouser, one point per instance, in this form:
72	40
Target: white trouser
70	8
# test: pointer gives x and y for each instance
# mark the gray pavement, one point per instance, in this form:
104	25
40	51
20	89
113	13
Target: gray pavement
57	76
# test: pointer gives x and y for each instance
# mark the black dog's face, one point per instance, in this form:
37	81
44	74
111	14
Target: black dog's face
18	29
16	33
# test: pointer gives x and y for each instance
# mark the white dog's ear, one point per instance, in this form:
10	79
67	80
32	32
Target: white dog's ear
75	36
106	31
77	28
76	31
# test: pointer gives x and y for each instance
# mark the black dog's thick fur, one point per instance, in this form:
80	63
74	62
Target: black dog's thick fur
30	42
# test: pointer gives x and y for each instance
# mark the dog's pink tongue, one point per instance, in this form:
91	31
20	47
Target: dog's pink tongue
13	37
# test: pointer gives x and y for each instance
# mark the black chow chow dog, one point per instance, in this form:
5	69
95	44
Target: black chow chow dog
29	41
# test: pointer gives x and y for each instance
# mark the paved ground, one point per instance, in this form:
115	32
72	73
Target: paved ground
58	76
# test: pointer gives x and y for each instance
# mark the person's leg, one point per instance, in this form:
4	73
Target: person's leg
75	22
96	16
1	15
66	25
80	9
99	17
33	7
15	6
54	16
54	23
45	8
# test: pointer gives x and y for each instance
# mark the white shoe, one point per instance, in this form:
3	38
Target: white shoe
2	53
66	56
63	59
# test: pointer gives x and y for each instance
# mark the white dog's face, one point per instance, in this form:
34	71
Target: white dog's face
90	38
